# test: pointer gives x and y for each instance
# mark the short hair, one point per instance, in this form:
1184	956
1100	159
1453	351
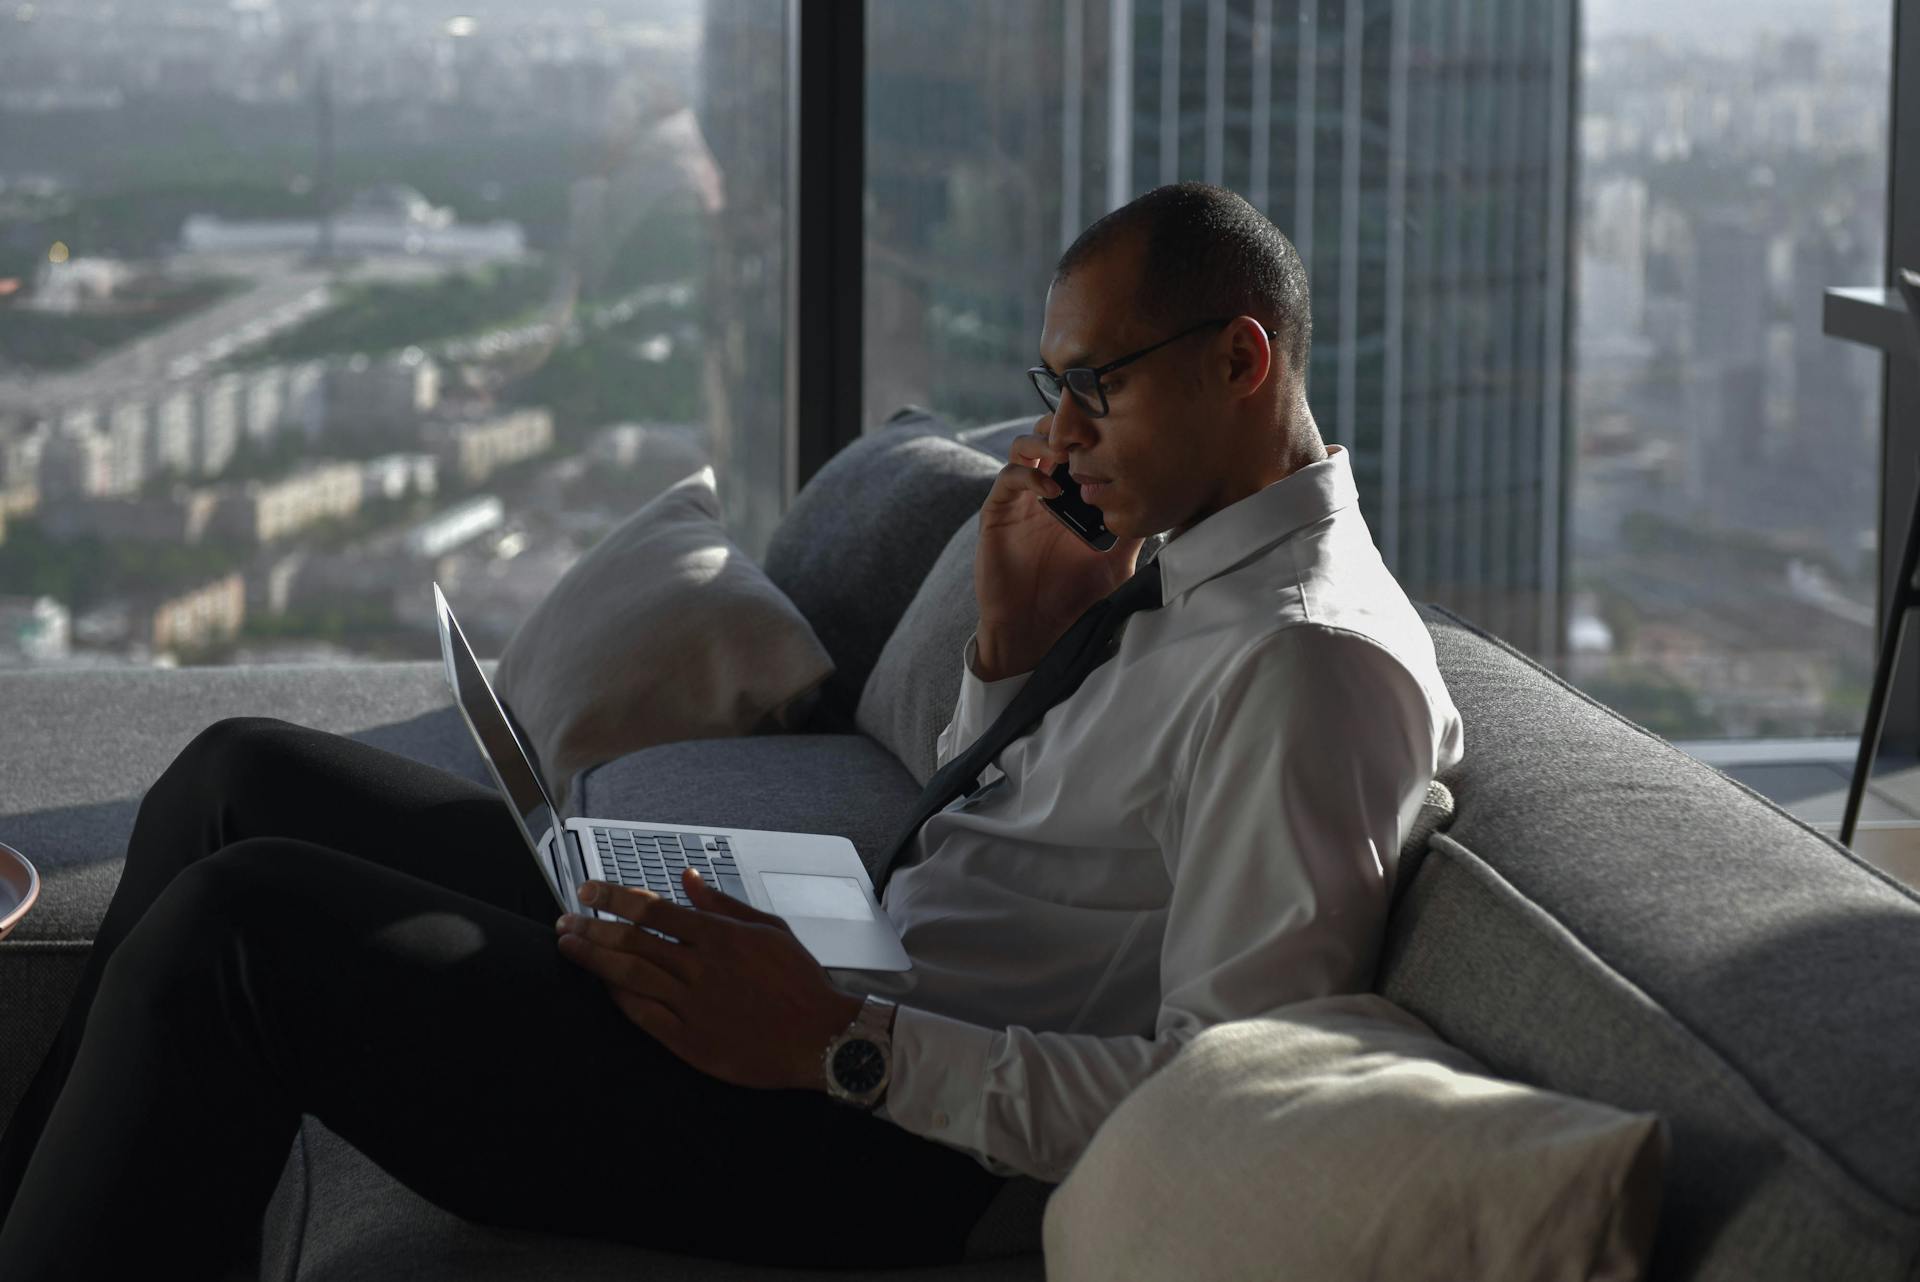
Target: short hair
1207	252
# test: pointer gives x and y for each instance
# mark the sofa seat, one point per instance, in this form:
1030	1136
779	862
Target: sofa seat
337	1217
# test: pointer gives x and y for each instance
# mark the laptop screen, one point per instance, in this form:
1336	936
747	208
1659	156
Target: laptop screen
512	767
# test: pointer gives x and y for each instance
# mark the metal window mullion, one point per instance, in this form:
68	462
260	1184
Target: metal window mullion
826	131
1394	323
1119	103
1476	170
1072	120
1555	460
1169	91
1308	65
1353	19
1900	380
1216	148
1261	105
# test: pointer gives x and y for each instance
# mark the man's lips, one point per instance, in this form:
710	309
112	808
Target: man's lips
1091	487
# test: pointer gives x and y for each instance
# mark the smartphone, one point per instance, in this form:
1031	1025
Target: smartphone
1078	515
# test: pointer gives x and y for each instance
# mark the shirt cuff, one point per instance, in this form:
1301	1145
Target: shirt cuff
938	1077
982	701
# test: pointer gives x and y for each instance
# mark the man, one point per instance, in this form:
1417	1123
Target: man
1203	829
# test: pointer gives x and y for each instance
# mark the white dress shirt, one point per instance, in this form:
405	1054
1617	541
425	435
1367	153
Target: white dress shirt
1208	828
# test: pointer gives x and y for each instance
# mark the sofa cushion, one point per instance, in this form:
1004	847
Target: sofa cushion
844	784
1390	1154
663	631
1608	917
996	439
337	1216
910	696
859	537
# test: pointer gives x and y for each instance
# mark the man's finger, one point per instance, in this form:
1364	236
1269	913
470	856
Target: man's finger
625	937
711	898
644	908
626	971
653	1017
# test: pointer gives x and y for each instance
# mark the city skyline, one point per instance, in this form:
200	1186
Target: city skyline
1694	477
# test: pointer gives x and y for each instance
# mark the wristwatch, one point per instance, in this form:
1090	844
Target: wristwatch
859	1062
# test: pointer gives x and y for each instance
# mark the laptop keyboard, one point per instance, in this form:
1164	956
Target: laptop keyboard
653	861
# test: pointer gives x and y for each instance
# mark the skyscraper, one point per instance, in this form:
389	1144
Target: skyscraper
742	115
1418	154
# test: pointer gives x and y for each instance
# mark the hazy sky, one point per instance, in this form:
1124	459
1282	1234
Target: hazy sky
1709	17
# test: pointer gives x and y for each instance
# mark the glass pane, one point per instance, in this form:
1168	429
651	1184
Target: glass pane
1726	492
306	304
1415	153
1566	266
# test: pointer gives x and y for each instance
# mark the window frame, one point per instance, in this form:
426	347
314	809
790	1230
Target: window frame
826	232
1900	386
826	88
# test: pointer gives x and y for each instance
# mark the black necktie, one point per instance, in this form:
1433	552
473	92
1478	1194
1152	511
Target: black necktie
1083	647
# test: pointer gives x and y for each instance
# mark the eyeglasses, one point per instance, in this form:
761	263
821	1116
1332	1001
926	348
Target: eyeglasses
1084	382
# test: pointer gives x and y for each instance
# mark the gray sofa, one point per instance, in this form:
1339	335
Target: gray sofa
1604	915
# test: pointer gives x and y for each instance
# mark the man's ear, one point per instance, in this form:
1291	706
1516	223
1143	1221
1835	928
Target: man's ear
1252	359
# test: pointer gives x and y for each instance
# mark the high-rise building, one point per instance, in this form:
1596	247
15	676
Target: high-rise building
741	114
1418	154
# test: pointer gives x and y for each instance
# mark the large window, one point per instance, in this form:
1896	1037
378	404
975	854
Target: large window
1567	264
304	303
1725	557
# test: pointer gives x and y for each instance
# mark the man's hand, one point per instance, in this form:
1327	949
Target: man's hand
1032	575
738	997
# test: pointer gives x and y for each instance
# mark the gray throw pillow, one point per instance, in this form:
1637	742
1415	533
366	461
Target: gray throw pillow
910	696
663	631
858	539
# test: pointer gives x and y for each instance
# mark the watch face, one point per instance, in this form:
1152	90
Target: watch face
859	1066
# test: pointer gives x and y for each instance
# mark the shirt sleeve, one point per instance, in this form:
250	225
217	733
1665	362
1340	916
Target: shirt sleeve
979	704
1303	768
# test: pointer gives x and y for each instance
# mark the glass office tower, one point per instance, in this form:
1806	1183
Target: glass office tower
1418	154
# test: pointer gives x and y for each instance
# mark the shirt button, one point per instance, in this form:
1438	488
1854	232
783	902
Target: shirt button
940	1121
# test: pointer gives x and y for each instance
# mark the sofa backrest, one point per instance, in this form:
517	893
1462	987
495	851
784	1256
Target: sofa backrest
1605	916
1609	917
861	534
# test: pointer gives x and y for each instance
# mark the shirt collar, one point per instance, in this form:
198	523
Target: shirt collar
1256	523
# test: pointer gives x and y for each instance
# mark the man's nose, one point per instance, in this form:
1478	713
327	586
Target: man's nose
1071	425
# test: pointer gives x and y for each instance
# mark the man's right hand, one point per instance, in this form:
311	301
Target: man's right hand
1032	575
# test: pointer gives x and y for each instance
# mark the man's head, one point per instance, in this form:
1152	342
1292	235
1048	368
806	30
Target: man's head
1210	417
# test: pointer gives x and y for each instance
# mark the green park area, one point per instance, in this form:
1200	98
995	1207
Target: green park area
84	572
376	316
37	340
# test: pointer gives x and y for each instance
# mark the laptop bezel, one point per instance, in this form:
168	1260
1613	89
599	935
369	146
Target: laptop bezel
553	868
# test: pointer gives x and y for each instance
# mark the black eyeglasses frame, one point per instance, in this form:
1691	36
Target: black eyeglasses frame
1042	376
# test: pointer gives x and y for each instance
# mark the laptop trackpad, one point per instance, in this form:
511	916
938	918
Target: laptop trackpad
802	894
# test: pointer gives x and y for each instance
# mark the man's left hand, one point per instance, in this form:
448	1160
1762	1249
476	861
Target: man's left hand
739	997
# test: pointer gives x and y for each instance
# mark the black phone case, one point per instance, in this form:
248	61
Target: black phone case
1078	515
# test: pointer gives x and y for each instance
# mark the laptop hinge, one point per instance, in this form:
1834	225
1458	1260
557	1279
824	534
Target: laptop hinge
573	855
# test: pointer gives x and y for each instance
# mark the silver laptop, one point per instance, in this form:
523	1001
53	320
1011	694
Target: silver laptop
816	883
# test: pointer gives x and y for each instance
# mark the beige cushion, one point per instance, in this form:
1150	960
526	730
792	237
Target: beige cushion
663	631
1341	1138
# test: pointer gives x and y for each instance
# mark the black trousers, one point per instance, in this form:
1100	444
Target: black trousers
307	924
